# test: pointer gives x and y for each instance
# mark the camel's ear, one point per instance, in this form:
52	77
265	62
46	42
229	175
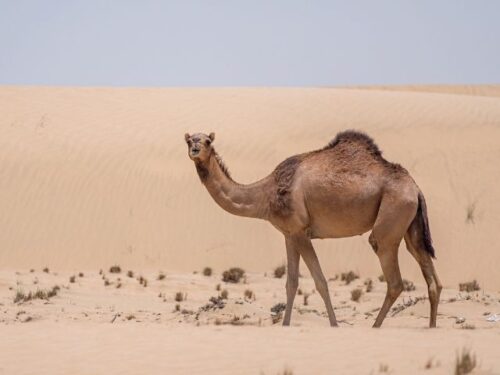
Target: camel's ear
212	136
186	137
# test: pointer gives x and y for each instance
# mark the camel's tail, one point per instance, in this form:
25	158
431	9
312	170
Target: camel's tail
422	222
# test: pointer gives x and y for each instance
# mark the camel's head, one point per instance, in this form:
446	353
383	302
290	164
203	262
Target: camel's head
199	145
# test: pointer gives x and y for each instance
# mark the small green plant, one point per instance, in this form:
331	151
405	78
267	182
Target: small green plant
207	271
279	271
115	269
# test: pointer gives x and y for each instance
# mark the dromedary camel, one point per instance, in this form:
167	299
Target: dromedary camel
342	190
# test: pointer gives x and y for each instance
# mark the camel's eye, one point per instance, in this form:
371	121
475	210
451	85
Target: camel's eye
208	142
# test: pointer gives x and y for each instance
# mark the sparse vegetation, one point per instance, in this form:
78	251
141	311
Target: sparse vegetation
143	281
383	368
356	294
161	276
348	277
115	269
249	295
106	282
46	270
233	275
465	362
130	273
118	285
381	278
39	294
177	307
408	286
279	271
207	271
80	274
468	326
130	317
32	270
471	213
224	294
369	285
179	297
306	299
299	292
72	279
470	286
279	307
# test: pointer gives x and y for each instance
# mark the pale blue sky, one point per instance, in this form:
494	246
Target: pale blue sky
248	43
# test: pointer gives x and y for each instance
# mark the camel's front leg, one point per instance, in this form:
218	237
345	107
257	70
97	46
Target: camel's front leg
292	280
307	252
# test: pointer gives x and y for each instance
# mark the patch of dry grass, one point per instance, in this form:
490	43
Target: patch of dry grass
72	279
233	275
348	277
46	270
369	285
224	294
408	286
115	269
207	271
249	295
470	286
44	294
130	273
279	271
179	297
465	362
161	276
356	294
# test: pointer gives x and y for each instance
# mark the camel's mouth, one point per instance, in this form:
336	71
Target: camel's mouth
195	152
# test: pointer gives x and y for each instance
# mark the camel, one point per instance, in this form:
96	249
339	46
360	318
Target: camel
341	190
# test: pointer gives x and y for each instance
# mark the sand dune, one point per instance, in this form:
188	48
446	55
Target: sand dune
93	176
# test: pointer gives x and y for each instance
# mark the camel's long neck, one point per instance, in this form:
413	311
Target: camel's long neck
243	200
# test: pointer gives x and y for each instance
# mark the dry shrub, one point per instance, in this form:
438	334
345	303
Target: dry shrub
106	282
468	326
115	269
306	299
143	281
80	274
471	213
224	294
130	317
369	285
207	271
348	277
470	286
249	295
233	275
381	278
356	294
278	308
217	287
118	286
179	297
161	276
177	307
72	279
299	292
279	271
39	294
32	270
465	362
46	270
130	273
408	286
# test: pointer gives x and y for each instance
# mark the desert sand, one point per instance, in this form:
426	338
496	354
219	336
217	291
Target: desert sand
93	177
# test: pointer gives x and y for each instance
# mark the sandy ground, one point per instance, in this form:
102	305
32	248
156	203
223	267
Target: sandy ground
93	328
91	177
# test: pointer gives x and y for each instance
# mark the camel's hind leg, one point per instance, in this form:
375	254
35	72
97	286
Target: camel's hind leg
292	280
416	248
394	216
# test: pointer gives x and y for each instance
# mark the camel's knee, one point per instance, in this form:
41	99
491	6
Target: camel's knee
434	290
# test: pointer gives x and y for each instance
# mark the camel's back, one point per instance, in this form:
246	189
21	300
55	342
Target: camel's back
341	185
